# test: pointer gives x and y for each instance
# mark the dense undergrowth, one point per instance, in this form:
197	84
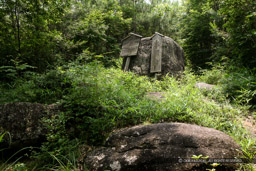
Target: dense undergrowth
98	100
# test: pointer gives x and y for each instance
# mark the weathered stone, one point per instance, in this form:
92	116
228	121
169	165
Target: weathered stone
140	64
162	147
173	61
156	55
23	122
156	95
205	86
130	45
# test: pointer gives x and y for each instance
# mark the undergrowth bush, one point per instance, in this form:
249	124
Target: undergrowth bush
33	87
214	75
240	86
236	84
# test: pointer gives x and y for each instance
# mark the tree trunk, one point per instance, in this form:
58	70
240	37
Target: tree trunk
18	25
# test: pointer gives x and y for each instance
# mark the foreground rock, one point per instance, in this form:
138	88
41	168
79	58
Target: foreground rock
23	122
162	147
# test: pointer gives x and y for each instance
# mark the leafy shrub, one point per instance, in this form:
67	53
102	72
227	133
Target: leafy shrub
236	84
240	85
12	72
213	75
32	87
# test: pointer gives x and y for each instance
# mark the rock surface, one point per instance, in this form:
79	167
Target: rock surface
23	122
162	147
172	58
156	95
205	86
140	64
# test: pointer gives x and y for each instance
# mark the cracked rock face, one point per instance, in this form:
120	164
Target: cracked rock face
23	122
162	147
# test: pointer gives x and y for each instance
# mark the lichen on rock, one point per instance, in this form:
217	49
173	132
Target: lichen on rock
161	147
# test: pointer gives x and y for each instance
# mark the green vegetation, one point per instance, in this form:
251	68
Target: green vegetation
67	52
100	100
220	31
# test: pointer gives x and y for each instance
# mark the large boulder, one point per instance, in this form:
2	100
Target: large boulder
152	56
23	122
165	146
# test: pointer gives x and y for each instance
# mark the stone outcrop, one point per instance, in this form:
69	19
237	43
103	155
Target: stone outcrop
161	147
156	55
23	122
